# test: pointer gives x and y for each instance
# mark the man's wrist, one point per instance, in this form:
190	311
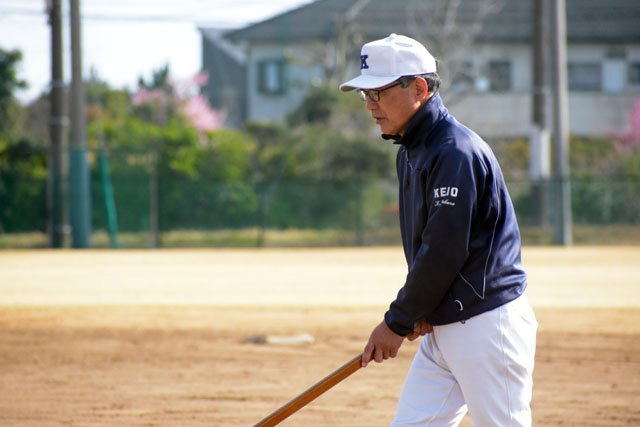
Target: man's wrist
390	319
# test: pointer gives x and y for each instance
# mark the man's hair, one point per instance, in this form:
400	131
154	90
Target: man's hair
432	79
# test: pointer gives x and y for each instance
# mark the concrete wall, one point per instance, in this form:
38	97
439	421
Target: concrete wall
302	70
491	114
509	115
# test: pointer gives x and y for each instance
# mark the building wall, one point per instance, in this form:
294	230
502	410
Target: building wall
491	113
301	70
592	112
226	86
508	115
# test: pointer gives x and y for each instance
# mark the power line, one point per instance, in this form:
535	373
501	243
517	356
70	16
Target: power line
4	14
20	11
194	16
100	17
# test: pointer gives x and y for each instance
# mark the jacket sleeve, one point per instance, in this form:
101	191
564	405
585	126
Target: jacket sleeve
450	191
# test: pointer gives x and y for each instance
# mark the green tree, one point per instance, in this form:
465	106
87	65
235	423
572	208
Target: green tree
103	102
345	113
334	139
315	172
23	171
273	158
159	79
23	177
9	83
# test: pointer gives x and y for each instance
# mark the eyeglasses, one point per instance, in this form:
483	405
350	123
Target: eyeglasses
374	94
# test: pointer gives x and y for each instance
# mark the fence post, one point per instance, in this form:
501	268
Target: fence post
262	215
360	213
153	199
107	189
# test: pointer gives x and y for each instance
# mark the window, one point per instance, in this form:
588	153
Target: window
499	76
271	77
585	76
614	74
462	74
634	73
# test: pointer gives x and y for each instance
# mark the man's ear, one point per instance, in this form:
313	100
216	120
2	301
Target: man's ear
422	88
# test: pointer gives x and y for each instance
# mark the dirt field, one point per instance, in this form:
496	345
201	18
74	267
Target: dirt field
142	338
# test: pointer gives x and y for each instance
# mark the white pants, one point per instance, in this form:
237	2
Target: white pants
484	365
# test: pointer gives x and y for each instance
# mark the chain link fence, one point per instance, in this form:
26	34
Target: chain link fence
138	207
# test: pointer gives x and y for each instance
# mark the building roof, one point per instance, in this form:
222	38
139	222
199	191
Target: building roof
216	37
588	21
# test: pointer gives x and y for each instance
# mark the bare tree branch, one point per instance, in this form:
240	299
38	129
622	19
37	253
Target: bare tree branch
449	29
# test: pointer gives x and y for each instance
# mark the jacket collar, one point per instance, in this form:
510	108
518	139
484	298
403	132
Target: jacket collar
423	121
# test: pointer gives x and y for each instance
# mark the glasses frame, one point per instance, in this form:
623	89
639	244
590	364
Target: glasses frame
374	94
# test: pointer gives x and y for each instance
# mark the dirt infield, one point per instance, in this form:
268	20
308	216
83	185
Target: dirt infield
169	366
74	351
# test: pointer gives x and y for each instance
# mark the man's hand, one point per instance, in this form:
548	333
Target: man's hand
421	328
383	344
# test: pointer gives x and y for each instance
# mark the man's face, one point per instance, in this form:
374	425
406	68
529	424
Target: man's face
396	107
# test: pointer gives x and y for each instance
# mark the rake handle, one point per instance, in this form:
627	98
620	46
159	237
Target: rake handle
312	392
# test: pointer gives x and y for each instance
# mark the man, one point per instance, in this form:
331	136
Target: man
465	285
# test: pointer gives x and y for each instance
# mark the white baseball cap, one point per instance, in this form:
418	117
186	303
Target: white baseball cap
386	60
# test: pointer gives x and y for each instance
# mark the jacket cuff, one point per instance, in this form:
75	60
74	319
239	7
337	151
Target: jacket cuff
397	322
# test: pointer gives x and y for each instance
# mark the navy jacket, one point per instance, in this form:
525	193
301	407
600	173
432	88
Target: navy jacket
458	226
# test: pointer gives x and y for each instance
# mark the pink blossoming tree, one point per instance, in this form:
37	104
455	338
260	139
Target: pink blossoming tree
184	96
626	142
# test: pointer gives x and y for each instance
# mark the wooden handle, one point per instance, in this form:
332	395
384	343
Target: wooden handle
312	392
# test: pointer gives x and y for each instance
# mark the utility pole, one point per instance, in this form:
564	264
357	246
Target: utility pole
79	172
560	158
539	166
56	182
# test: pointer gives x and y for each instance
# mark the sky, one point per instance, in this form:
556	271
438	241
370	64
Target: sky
123	40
